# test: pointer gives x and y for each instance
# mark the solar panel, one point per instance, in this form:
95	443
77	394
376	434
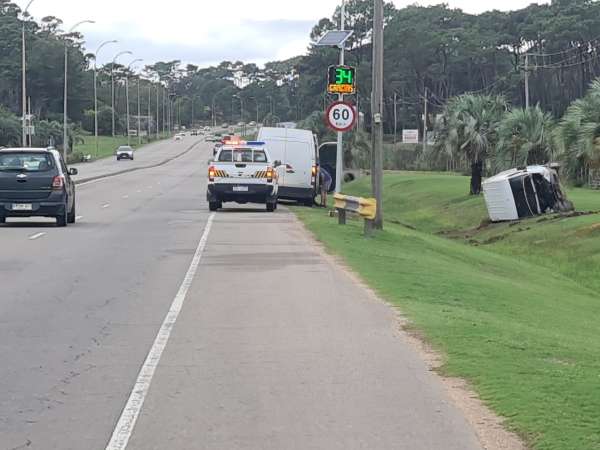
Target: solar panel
334	38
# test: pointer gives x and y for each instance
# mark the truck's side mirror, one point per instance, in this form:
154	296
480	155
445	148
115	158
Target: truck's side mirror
277	164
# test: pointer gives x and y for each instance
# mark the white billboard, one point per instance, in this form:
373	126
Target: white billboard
410	136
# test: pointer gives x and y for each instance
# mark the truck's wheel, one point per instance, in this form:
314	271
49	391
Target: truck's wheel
214	206
271	207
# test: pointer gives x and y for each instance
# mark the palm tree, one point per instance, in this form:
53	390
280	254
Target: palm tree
577	136
524	138
469	131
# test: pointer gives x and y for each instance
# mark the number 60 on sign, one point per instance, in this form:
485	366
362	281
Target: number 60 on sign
341	116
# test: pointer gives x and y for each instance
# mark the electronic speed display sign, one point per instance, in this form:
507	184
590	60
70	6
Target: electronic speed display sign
341	116
341	80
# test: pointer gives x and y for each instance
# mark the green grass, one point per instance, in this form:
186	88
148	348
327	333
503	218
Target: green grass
515	309
106	145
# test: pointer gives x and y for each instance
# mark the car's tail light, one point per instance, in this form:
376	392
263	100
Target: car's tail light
58	183
270	174
211	173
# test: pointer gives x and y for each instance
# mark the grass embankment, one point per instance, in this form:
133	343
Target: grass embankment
516	309
107	145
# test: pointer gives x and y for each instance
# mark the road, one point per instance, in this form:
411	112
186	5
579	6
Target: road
263	343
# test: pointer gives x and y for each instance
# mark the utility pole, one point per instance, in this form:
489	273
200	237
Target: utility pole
127	101
66	92
339	164
24	77
425	105
395	119
526	81
96	92
149	109
139	130
158	111
377	111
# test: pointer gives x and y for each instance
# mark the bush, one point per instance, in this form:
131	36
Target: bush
10	129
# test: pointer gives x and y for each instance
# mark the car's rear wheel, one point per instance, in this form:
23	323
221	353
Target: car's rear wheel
2	219
271	206
71	218
215	206
62	219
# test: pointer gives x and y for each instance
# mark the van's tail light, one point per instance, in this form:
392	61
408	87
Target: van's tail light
58	183
211	173
270	174
314	172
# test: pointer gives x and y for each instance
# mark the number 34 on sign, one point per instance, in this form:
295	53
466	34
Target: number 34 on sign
341	116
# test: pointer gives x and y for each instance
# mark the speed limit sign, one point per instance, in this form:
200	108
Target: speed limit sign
341	116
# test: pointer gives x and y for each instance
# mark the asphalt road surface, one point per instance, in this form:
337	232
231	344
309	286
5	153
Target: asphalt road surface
153	324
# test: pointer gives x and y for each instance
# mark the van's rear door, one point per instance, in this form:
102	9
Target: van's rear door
298	161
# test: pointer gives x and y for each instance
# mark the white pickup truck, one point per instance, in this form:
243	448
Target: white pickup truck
242	172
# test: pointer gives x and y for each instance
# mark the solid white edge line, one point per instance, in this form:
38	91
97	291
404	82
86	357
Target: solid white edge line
126	424
36	236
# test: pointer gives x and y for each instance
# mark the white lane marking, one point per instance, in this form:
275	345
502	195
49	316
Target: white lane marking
124	429
78	218
126	197
106	205
36	236
139	191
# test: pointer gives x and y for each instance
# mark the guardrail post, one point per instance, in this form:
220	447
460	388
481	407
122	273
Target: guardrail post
369	227
342	216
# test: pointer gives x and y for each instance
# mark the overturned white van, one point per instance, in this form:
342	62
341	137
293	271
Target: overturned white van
527	192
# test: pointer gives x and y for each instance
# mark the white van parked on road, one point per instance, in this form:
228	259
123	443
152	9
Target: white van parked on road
297	150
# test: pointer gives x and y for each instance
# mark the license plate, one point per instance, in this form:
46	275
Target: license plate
22	207
240	189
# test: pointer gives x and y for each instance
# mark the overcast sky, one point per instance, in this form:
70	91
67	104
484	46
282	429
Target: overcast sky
205	32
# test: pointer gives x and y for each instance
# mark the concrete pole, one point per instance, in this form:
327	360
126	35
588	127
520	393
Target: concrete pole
377	109
527	81
395	119
24	77
127	101
96	91
425	112
139	115
339	165
66	93
158	111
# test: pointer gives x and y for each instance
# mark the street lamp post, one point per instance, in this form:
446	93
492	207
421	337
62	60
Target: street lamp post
112	82
96	91
24	77
127	96
66	91
139	130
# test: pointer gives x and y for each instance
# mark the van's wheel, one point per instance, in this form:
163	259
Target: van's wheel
71	217
2	219
214	206
62	220
271	207
308	203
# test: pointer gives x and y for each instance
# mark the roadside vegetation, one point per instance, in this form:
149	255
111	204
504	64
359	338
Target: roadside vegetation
107	145
513	307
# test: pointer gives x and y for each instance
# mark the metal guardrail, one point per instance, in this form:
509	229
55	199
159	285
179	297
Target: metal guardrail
364	207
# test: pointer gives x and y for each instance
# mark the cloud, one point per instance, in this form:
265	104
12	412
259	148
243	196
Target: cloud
205	32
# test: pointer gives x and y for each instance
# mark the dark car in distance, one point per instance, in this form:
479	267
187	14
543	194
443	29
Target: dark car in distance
35	182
